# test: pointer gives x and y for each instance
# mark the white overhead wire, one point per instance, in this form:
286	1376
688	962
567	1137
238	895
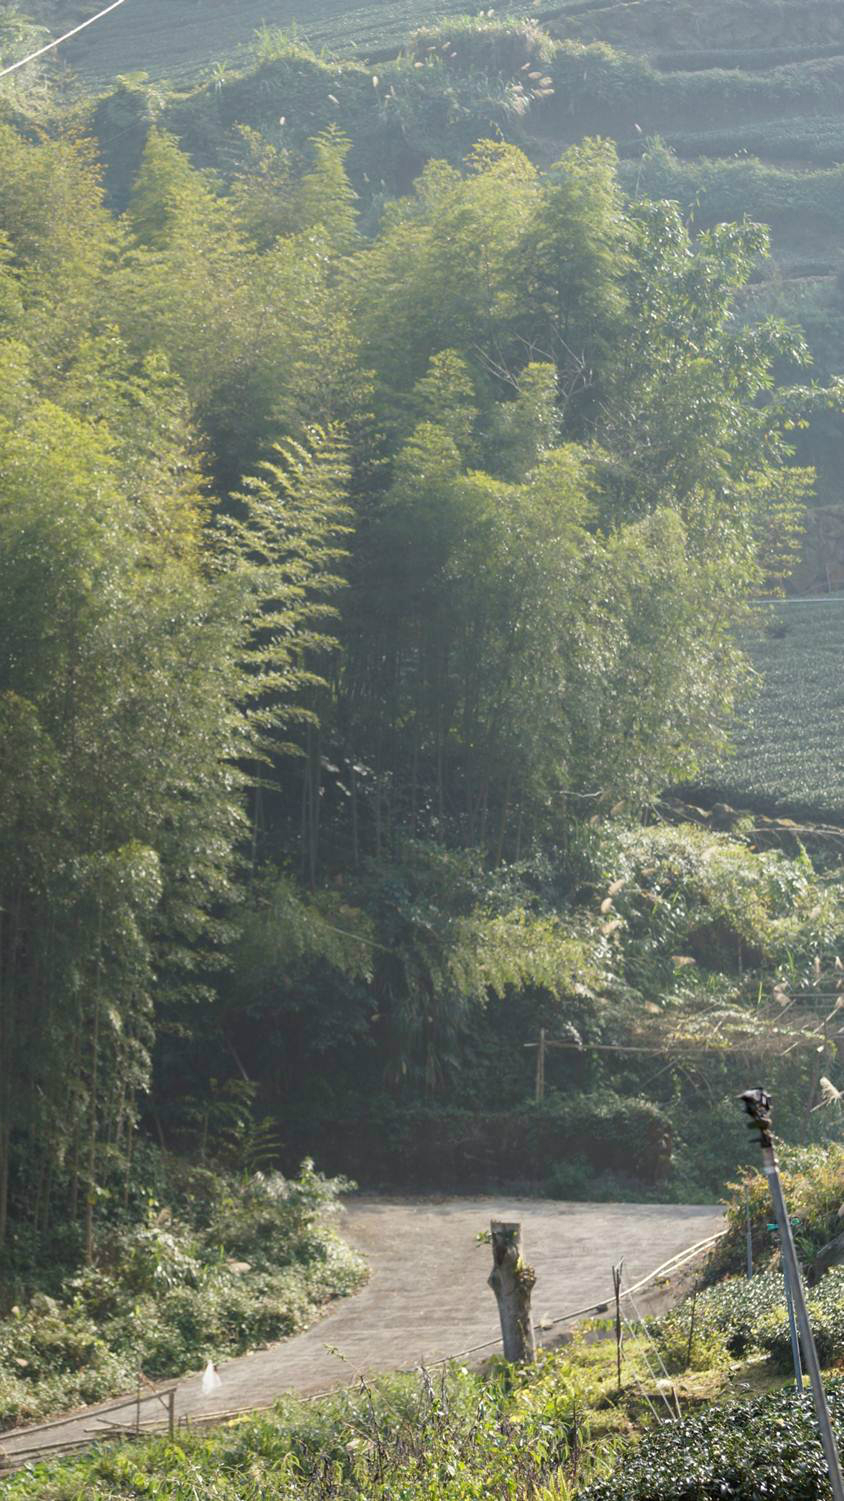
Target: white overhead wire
50	46
651	1373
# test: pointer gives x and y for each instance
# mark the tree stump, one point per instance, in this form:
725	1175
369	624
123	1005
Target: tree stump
511	1279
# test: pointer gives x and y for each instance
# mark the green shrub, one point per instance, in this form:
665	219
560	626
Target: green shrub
256	1265
447	1437
270	1220
744	1451
728	1320
813	1185
826	1313
452	1149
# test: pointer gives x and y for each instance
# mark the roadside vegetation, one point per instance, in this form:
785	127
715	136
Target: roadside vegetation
232	1263
705	1402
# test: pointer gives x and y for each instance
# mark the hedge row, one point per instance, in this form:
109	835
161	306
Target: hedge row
449	1149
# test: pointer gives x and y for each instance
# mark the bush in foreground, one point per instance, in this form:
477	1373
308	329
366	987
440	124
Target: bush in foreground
447	1437
251	1261
766	1450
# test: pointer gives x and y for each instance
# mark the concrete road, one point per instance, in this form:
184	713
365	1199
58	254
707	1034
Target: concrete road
426	1297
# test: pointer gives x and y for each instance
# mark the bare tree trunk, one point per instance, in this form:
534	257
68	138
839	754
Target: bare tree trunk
378	775
127	1174
4	1181
306	779
315	748
505	810
511	1279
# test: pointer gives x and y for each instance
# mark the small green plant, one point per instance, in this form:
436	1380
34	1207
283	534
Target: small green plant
722	1321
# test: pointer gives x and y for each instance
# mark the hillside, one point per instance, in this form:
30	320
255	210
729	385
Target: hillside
789	752
393	435
732	109
182	39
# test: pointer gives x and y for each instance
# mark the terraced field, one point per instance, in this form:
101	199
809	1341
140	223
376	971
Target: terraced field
790	750
181	39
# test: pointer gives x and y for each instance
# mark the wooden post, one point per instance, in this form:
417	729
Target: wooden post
616	1282
512	1280
540	1066
691	1329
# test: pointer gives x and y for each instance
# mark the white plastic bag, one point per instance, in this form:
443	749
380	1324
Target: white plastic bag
210	1379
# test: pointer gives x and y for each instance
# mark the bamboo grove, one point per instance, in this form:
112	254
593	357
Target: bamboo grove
318	547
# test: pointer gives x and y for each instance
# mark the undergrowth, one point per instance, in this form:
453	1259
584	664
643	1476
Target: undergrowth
245	1262
421	1438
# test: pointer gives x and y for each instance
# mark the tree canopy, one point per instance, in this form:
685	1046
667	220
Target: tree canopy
340	576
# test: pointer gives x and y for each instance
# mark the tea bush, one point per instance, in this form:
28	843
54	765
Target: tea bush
826	1312
728	1320
796	658
744	1451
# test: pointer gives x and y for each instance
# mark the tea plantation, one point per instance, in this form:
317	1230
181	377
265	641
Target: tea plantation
789	751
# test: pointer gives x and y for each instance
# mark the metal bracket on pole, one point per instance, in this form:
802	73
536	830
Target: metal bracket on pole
757	1103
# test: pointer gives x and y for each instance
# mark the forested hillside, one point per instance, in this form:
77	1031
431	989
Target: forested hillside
387	465
733	110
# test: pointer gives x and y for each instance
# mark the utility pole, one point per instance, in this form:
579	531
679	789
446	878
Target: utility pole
758	1106
540	1067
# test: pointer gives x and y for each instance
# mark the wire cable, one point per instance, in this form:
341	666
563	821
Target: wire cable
649	1337
26	1455
652	1374
50	46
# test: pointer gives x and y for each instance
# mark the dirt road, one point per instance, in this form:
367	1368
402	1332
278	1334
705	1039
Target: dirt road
427	1296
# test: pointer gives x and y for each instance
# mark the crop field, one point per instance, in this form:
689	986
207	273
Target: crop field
746	59
789	755
180	39
734	187
812	138
657	26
